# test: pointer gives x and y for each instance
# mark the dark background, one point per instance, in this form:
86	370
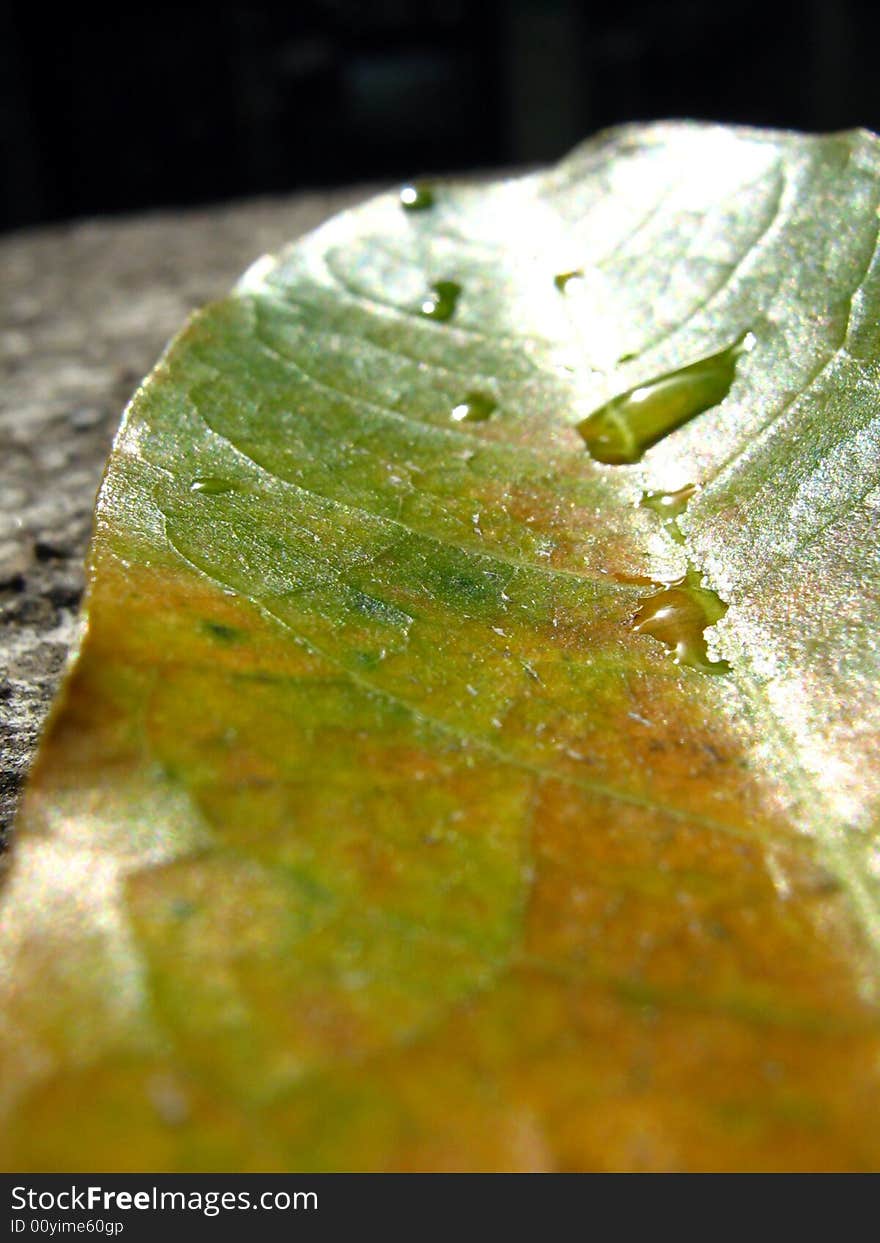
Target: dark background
159	104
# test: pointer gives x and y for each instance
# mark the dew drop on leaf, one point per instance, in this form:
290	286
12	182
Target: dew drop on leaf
677	615
669	506
562	280
441	302
418	197
620	431
476	408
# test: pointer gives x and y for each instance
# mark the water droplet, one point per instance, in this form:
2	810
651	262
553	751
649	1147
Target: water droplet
561	281
476	408
669	506
417	197
211	485
442	301
621	430
677	614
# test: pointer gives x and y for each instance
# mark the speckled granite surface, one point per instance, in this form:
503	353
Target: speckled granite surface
84	312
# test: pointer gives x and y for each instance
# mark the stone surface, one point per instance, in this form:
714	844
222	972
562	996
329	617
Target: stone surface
84	312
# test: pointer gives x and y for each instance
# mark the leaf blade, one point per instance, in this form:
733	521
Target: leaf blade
365	793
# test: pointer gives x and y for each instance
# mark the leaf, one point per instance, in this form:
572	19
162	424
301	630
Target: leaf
377	827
